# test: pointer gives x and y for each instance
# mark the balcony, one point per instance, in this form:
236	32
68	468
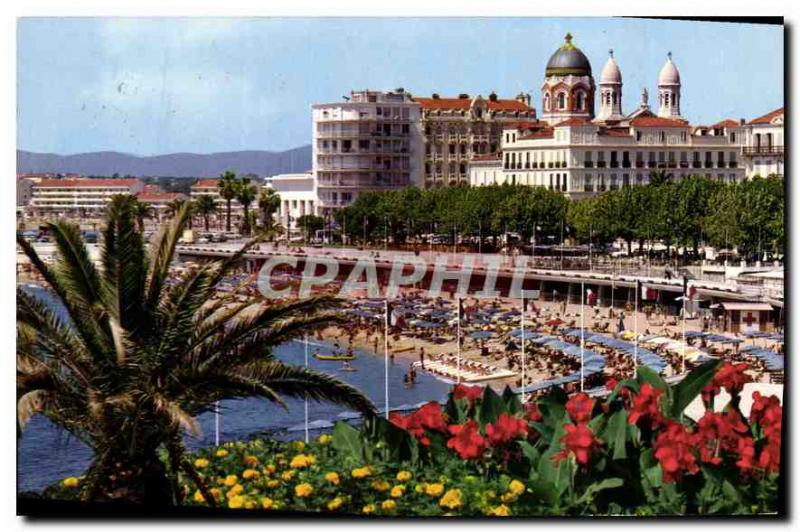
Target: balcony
696	164
639	164
588	164
614	164
601	164
626	164
708	164
733	164
763	150
684	164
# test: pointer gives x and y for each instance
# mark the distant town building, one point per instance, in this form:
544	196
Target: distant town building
573	151
159	200
370	141
209	187
79	197
298	196
457	130
24	191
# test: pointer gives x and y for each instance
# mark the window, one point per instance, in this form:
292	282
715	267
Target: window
662	136
579	101
562	101
638	136
546	102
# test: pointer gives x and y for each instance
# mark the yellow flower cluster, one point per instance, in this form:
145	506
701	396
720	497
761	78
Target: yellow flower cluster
368	509
516	487
302	461
303	490
267	503
451	499
298	445
230	480
288	475
251	460
380	485
249	474
71	482
324	439
403	476
499	511
332	477
434	490
201	463
222	453
335	504
388	505
397	491
236	501
361	472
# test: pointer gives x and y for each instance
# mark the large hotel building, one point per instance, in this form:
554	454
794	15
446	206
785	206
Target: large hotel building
579	152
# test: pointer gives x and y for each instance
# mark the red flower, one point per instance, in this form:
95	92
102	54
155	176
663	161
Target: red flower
760	405
579	441
532	411
673	450
505	429
466	440
718	433
428	416
611	384
770	458
469	392
646	405
732	377
580	407
746	450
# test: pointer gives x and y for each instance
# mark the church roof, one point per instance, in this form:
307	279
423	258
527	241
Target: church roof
568	59
769	117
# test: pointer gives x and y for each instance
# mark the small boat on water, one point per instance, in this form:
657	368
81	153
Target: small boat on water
334	357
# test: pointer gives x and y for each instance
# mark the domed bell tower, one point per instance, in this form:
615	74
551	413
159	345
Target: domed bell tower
568	88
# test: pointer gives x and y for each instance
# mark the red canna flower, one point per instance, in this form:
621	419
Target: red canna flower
469	392
428	416
646	404
718	433
760	406
745	448
532	411
770	458
505	429
611	384
673	450
732	377
578	441
580	407
466	440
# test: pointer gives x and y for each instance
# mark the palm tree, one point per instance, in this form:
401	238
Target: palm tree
134	359
245	195
228	189
205	206
143	211
175	206
268	202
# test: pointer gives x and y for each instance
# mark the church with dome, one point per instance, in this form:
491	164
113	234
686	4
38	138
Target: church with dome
584	141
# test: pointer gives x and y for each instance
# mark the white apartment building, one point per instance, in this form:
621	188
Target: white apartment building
81	197
370	141
298	195
579	154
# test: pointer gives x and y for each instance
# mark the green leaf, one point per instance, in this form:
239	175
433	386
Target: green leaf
647	375
596	487
513	404
492	406
615	433
457	410
685	391
347	440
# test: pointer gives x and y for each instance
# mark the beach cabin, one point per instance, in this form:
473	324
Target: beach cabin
746	317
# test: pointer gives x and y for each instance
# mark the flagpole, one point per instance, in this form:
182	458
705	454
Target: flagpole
305	401
683	330
636	329
458	341
216	423
582	294
386	357
522	329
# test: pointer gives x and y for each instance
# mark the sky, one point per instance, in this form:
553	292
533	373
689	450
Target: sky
149	86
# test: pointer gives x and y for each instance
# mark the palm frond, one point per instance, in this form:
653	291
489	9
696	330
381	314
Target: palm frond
162	252
29	404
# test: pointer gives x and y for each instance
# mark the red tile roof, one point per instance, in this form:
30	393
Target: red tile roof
523	125
86	183
540	134
464	104
768	118
573	122
158	196
728	122
206	183
657	121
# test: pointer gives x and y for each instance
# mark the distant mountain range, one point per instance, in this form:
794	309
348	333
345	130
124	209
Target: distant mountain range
107	163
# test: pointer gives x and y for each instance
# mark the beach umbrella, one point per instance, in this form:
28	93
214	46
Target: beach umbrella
481	334
555	322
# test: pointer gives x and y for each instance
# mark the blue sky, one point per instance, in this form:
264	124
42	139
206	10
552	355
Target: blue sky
152	86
